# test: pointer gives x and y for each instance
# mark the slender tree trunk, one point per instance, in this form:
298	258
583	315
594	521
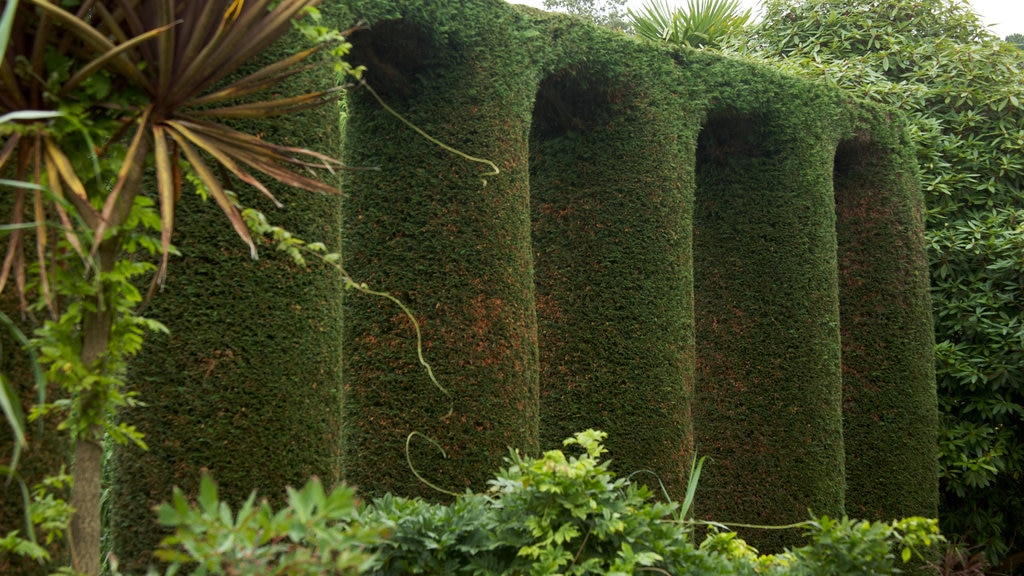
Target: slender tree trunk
85	530
85	527
85	499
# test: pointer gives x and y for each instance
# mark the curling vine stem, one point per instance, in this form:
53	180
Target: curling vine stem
494	167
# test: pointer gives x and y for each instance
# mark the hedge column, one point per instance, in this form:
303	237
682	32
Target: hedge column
889	405
767	409
247	385
451	240
613	263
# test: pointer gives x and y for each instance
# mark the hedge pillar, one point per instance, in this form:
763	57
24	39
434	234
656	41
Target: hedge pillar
767	409
451	240
889	400
247	384
611	236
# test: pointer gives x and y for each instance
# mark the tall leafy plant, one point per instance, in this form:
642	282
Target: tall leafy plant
608	13
128	88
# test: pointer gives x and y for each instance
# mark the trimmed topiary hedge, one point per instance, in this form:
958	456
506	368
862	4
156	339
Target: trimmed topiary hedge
611	248
633	237
450	241
767	409
889	403
247	383
668	218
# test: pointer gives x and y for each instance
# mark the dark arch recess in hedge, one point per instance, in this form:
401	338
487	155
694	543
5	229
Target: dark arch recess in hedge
767	409
611	251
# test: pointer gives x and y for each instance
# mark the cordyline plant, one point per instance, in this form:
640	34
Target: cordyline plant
95	96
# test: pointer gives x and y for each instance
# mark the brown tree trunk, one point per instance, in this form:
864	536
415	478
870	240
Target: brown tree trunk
85	499
85	529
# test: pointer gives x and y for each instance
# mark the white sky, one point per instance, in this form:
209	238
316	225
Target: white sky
1003	16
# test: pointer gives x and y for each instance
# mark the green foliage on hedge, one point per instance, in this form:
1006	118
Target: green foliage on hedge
247	383
553	514
642	190
767	409
885	312
449	240
962	89
611	252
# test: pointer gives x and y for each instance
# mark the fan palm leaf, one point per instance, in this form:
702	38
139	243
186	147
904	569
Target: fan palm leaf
701	23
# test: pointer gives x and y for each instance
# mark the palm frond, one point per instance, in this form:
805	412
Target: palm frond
260	80
91	36
61	172
271	108
216	190
702	23
115	52
168	195
222	156
122	195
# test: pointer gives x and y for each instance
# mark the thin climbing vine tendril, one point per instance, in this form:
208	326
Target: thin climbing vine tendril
494	167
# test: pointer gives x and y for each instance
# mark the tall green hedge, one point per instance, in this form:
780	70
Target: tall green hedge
460	252
612	259
767	408
449	240
668	220
247	383
889	405
629	233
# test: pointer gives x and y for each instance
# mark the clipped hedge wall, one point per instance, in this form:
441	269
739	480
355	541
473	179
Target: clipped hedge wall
447	239
611	248
247	384
507	326
668	218
656	256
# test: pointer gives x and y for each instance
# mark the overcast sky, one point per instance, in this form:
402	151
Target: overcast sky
1004	16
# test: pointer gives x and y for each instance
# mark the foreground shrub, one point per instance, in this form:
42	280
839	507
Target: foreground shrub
549	515
312	535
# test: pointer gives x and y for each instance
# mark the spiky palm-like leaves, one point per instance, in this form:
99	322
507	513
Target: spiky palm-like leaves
93	98
170	55
704	23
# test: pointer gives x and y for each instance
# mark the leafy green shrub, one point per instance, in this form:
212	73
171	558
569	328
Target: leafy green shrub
314	534
549	515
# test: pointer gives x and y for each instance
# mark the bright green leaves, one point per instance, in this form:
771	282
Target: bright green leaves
313	534
847	546
573	516
48	517
703	23
90	388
